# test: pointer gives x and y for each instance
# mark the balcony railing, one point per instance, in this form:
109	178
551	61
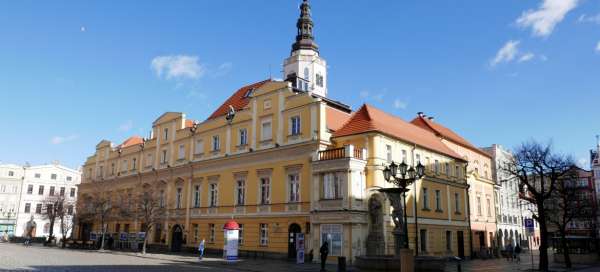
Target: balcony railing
341	152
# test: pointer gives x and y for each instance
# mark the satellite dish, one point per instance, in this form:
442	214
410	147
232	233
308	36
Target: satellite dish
230	114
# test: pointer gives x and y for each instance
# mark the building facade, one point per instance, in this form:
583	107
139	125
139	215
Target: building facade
41	186
482	187
281	158
11	177
595	168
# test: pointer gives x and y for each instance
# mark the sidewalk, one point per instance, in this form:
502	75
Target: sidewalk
251	265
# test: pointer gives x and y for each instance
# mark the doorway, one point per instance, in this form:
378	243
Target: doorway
461	244
294	228
176	238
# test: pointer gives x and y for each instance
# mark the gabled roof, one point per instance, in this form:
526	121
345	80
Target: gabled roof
133	140
446	133
371	119
238	100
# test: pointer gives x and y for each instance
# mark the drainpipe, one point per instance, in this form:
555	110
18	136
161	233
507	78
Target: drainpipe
415	207
468	213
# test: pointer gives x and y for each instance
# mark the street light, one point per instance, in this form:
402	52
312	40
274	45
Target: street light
402	176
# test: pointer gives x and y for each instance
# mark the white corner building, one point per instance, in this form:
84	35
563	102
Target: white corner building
38	184
11	176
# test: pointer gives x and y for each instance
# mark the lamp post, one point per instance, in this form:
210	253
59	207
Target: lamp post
401	176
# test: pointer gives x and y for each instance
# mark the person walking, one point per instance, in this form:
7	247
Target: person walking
517	252
324	252
201	249
509	252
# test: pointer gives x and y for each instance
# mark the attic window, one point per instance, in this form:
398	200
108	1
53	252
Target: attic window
248	93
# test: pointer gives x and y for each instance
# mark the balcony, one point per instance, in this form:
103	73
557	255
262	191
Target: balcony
343	152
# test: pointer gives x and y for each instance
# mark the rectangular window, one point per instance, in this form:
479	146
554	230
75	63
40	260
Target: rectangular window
11	173
27	207
437	167
178	198
388	153
295	125
161	199
124	166
181	154
62	191
418	158
294	185
133	164
216	144
456	171
163	158
214	192
265	194
196	229
332	233
267	131
69	178
166	134
53	176
489	207
331	186
264	234
149	160
243	136
29	189
51	190
196	196
41	190
240	192
241	234
112	168
211	233
447	169
479	205
438	200
425	199
199	147
38	208
404	156
423	240
70	210
448	241
456	203
38	175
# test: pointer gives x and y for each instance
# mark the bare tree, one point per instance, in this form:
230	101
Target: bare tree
538	170
54	209
67	219
99	207
147	209
566	205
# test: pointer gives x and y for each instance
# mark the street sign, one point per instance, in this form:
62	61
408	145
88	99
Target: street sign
529	226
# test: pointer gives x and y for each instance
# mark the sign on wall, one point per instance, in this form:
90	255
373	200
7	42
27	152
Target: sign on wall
529	226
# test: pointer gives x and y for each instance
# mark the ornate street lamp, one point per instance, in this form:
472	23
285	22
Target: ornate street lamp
401	176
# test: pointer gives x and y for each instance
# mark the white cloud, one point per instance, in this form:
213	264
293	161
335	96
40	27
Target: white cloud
399	104
82	29
223	69
507	53
177	67
127	126
598	47
543	20
63	139
526	57
589	19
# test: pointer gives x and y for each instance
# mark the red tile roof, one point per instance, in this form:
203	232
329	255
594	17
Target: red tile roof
336	118
133	140
189	123
237	100
371	119
446	133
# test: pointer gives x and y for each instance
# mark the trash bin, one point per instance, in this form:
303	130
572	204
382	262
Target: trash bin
341	264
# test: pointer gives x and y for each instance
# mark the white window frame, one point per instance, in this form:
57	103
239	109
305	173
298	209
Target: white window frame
213	194
199	147
388	153
181	154
263	234
164	154
178	197
264	192
332	186
438	200
293	187
216	143
264	132
243	136
240	188
295	125
196	195
328	231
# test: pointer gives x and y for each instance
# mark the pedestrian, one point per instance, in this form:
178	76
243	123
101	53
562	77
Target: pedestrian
517	252
510	252
201	249
324	252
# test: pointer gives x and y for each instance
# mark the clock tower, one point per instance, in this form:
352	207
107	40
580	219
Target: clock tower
304	67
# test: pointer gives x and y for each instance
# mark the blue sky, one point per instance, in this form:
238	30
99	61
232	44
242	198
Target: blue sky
73	73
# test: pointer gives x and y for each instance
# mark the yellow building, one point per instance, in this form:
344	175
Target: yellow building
280	158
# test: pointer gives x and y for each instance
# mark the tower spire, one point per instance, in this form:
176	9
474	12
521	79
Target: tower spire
305	38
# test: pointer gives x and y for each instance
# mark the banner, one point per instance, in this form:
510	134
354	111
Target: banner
299	248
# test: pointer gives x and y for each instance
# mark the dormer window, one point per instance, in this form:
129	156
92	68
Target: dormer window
248	92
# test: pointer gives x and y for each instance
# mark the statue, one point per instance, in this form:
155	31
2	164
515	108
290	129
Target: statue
375	239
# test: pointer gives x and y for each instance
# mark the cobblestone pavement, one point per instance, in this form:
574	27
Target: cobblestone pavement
16	257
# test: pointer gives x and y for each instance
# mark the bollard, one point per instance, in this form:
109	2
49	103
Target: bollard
341	264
